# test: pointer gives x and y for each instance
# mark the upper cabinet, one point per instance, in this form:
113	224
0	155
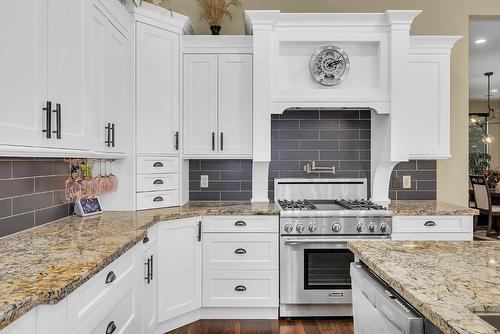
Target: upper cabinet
217	97
157	90
429	111
66	78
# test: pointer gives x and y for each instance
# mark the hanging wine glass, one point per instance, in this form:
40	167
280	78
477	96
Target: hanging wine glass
100	181
76	188
113	178
65	190
86	180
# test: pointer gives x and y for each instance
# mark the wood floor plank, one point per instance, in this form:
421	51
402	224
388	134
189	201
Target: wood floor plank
282	326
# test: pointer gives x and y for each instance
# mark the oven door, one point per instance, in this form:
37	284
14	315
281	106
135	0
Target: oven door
315	270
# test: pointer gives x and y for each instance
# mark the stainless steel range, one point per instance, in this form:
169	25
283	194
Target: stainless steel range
317	218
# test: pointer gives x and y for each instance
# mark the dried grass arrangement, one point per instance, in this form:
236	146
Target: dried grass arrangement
214	11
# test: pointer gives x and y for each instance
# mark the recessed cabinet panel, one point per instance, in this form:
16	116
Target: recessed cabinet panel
235	104
67	73
23	79
157	53
200	104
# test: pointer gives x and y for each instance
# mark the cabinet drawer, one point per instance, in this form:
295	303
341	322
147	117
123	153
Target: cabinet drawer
240	289
157	199
119	311
152	165
157	182
240	251
84	300
432	224
267	224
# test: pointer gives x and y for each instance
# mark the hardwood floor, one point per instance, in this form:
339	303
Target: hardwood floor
295	326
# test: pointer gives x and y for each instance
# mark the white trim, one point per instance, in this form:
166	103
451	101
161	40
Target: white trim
217	44
162	18
29	151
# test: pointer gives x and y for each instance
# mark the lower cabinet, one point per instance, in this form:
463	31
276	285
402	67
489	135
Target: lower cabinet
459	228
150	281
179	267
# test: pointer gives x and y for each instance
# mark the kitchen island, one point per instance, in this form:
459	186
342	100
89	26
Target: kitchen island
447	282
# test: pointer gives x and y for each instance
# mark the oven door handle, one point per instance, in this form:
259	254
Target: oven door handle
298	241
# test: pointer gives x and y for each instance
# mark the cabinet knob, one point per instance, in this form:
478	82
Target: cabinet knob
240	288
110	277
145	240
111	328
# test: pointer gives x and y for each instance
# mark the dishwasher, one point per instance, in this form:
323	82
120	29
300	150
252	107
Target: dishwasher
378	309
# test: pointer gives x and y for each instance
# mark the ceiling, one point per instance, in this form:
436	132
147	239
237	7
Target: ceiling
484	58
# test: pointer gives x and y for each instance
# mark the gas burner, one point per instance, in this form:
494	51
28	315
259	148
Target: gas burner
360	204
296	205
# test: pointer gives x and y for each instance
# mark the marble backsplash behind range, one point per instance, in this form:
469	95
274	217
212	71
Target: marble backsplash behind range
339	138
29	193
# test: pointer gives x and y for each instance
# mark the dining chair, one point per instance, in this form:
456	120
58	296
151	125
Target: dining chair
482	198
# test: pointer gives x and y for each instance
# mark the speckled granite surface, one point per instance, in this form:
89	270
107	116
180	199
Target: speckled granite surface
445	281
429	208
45	264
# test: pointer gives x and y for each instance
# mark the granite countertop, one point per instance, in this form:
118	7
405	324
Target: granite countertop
429	208
45	264
445	281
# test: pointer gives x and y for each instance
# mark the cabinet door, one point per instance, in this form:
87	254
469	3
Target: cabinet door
179	268
429	112
23	68
235	104
157	90
200	104
95	33
115	81
66	71
149	294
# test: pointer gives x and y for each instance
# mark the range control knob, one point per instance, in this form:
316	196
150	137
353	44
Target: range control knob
312	227
383	227
336	227
288	228
360	227
372	227
300	228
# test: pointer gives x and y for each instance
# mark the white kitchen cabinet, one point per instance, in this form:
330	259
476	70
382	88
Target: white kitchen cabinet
429	110
459	228
157	90
24	325
23	88
218	105
200	105
150	285
179	267
60	59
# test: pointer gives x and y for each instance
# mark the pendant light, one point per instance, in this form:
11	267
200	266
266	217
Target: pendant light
475	120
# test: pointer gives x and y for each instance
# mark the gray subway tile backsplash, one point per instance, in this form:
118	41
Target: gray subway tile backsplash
29	193
339	138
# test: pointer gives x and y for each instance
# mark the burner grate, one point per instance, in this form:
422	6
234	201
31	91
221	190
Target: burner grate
296	205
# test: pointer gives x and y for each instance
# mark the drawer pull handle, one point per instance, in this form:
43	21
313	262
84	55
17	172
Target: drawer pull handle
158	199
430	223
240	223
240	288
158	181
111	328
158	164
110	277
240	251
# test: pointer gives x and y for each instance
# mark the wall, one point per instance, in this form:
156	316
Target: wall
493	129
228	180
339	138
443	17
28	193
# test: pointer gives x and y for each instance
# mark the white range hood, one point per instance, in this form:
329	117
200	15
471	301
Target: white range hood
403	79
